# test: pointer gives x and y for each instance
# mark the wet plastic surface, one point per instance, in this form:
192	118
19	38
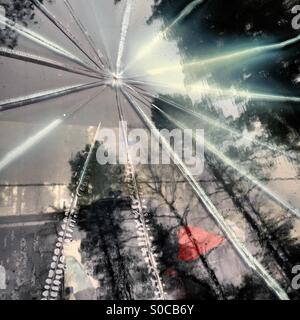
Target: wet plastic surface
62	64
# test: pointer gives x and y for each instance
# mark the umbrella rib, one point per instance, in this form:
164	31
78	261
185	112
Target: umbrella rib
42	41
102	37
152	261
226	160
32	58
203	117
64	30
33	140
14	103
83	30
240	248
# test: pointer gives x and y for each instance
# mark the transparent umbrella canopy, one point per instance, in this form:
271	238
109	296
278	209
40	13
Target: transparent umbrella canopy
73	228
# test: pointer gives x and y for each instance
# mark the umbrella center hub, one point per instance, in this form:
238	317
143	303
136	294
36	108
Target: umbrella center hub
116	80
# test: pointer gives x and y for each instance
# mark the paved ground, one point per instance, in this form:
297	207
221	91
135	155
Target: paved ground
26	249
